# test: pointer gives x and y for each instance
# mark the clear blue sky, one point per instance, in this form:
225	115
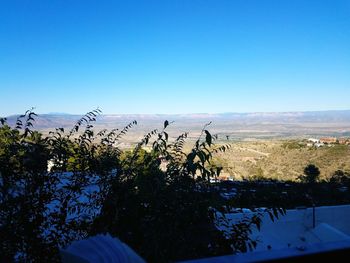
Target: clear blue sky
172	56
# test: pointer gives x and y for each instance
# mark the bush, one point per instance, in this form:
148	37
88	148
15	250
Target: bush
311	174
340	177
160	201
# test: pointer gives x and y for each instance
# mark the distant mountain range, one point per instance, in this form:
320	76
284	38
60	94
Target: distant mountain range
271	124
59	119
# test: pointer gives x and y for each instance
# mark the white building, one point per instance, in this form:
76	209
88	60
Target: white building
313	140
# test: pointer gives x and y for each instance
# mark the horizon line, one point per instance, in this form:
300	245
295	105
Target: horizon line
191	113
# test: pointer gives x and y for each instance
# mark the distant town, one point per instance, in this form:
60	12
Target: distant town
327	141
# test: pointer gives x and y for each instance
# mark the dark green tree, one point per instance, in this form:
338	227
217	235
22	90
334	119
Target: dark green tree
340	177
311	174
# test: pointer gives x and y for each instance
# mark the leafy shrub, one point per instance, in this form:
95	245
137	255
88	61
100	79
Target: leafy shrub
311	174
340	177
160	201
292	145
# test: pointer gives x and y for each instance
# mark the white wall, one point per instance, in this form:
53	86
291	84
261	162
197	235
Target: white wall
295	229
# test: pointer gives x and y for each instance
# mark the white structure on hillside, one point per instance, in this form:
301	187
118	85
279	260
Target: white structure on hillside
313	140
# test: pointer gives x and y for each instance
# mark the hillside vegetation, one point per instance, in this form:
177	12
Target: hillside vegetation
281	160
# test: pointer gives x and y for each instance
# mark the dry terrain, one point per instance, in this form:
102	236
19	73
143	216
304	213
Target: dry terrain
281	159
262	144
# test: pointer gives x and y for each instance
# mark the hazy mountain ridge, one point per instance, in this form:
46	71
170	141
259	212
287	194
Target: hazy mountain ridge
238	125
308	116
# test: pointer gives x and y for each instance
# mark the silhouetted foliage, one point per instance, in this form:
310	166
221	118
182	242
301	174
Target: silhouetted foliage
311	174
340	177
70	185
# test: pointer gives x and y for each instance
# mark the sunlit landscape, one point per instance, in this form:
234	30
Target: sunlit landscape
174	131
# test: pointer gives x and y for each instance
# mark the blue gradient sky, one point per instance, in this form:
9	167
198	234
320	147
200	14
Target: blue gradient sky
174	56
